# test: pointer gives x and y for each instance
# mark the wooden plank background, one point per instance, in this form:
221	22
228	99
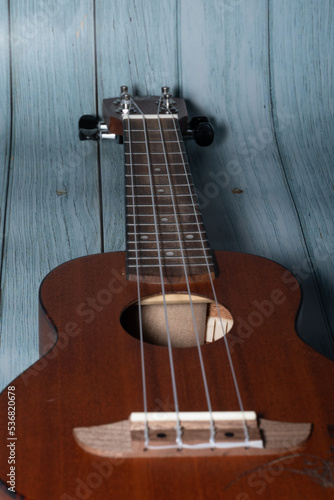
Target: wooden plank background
261	69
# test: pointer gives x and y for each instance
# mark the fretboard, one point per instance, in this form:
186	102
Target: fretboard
166	238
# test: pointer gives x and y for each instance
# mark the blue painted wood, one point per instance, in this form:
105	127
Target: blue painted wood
5	113
53	210
302	73
5	143
233	85
136	46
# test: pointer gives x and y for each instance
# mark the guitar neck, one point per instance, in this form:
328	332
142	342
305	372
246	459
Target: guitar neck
166	239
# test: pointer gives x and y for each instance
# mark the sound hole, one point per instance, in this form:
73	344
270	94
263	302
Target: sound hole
180	320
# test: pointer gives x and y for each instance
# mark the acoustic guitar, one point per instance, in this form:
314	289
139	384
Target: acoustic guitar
169	370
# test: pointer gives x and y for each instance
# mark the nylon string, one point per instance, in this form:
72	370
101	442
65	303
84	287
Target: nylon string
179	443
171	363
206	388
236	386
146	432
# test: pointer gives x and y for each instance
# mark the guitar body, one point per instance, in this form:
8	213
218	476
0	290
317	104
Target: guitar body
92	376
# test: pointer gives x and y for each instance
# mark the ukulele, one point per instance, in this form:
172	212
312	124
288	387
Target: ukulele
169	370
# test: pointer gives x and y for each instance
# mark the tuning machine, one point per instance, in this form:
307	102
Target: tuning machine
166	101
200	129
91	129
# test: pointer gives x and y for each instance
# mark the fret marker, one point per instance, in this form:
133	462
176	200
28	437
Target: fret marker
189	236
157	169
164	219
144	237
160	190
169	254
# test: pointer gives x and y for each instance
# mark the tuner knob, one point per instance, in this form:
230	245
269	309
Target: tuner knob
202	131
167	100
164	90
89	128
126	103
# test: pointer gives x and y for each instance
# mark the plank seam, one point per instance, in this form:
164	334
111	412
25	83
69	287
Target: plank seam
99	166
178	47
288	186
10	148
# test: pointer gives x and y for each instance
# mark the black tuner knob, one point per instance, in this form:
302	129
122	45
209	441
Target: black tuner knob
89	128
202	131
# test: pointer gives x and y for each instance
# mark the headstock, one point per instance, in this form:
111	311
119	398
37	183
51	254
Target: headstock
116	108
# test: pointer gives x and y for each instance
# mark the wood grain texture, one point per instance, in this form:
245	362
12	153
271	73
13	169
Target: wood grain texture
5	114
5	147
126	438
59	393
302	74
233	86
136	46
53	209
161	238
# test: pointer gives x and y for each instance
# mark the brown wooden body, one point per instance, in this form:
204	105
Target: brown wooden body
93	376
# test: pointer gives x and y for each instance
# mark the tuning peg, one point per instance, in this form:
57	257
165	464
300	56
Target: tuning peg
202	131
90	129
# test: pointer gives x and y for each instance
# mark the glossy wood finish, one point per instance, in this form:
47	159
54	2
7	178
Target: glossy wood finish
93	376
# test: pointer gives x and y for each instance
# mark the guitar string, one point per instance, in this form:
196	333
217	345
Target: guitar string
179	440
236	385
170	354
205	383
146	431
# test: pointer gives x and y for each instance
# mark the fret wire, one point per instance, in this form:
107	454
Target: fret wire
161	185
170	232
207	249
155	165
151	142
165	215
186	178
159	165
158	185
177	132
160	205
144	242
166	224
155	153
157	175
172	194
158	195
170	257
153	248
149	130
171	265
